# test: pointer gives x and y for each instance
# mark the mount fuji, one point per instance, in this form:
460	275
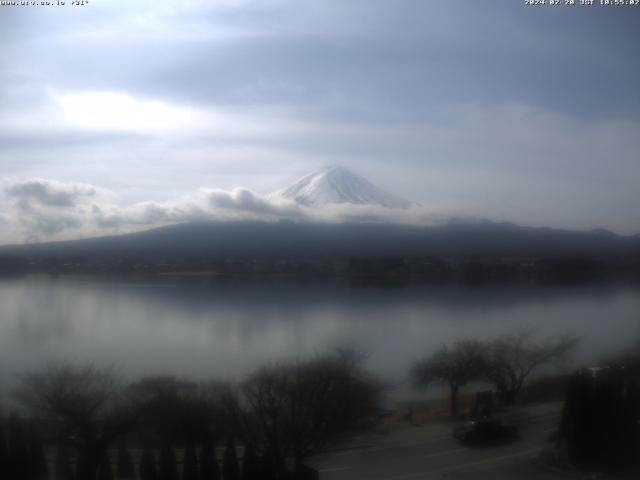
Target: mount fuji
213	240
338	185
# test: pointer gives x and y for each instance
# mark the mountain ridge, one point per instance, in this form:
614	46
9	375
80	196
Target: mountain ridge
283	238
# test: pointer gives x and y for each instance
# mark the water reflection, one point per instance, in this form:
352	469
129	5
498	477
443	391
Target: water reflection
225	329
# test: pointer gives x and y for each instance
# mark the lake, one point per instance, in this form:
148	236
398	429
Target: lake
225	329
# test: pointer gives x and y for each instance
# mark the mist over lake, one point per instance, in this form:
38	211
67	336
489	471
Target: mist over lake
225	329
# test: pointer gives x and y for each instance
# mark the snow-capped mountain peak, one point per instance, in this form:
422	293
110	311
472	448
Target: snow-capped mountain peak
336	184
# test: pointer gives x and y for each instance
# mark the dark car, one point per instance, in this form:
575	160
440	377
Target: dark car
485	431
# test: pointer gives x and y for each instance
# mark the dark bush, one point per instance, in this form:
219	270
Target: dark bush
104	469
148	465
190	463
600	418
168	465
250	464
63	468
4	454
18	461
126	470
37	461
230	469
209	469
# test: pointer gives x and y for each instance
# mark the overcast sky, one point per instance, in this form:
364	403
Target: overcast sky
121	115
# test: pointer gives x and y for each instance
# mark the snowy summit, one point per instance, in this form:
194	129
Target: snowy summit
335	184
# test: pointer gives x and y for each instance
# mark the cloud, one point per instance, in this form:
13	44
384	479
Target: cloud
48	193
40	208
203	205
39	225
52	210
245	201
114	111
120	219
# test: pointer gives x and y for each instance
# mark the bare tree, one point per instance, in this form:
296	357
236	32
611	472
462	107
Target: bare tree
513	358
456	366
297	409
83	402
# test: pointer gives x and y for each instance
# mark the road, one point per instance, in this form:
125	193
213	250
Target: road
434	457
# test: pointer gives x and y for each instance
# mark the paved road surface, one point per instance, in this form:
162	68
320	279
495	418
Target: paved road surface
432	458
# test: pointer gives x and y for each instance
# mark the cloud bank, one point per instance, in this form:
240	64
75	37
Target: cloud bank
45	209
48	193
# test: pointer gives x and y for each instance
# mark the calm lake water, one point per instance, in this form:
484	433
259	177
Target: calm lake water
203	329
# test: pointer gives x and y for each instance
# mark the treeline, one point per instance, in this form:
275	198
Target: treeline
357	269
85	425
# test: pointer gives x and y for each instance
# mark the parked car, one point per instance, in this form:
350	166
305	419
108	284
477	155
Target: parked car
485	431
